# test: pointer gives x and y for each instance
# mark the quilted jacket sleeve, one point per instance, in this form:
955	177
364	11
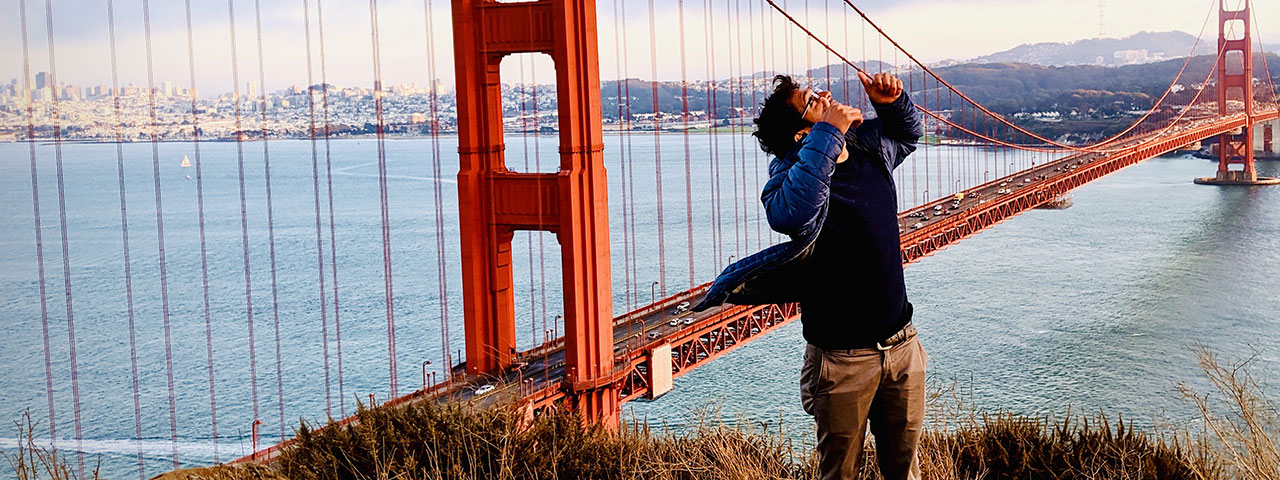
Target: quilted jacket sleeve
892	135
799	184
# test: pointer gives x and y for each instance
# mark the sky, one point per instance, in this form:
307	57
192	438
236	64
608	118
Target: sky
629	41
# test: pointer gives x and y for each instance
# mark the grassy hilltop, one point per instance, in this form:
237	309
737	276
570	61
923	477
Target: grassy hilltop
428	441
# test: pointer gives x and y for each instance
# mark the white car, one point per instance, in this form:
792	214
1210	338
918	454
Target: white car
484	389
673	322
688	320
681	309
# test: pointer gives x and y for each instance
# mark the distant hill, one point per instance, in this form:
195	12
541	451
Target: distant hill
1018	87
1144	47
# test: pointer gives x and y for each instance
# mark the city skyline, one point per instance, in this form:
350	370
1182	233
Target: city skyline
928	27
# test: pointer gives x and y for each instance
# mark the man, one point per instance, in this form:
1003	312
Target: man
831	190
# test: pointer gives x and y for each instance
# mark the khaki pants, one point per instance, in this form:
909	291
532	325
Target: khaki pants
843	389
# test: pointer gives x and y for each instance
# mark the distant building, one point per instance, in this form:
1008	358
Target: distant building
1134	57
43	79
417	118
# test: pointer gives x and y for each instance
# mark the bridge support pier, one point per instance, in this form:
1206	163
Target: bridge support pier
494	202
1235	78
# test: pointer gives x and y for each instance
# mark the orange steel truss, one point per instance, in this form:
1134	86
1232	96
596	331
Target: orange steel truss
494	202
931	239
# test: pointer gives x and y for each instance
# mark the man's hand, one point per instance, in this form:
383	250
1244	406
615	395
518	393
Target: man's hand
883	88
841	116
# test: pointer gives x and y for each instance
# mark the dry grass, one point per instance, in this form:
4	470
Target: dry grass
1238	440
34	461
1241	423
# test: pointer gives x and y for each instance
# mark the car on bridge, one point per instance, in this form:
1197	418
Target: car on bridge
683	307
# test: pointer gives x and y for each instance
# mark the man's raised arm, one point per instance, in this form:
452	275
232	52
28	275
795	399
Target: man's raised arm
897	128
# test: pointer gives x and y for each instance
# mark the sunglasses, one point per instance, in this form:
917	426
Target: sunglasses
813	96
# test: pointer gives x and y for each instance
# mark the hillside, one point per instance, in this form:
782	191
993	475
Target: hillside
1143	47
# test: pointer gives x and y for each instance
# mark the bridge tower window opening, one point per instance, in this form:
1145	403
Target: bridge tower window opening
528	114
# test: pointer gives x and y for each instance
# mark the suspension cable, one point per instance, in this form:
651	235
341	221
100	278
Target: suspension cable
315	195
333	241
39	228
204	255
160	240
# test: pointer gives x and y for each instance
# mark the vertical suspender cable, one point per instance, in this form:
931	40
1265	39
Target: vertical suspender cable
862	22
382	193
244	211
438	191
741	138
688	167
844	70
537	165
716	214
733	134
826	25
524	138
808	48
315	195
164	274
787	40
751	33
623	117
271	223
537	162
124	235
204	255
66	253
657	152
333	242
35	205
631	166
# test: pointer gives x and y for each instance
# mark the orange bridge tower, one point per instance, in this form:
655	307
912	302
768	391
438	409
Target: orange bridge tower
572	202
1235	81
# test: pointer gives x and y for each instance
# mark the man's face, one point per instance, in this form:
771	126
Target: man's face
811	102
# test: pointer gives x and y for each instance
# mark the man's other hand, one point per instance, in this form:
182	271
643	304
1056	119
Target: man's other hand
842	116
882	88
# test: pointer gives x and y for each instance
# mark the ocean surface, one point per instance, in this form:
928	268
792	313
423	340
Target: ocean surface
1099	307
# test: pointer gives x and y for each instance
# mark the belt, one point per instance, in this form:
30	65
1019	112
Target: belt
901	336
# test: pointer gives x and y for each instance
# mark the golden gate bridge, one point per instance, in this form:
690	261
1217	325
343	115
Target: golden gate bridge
591	360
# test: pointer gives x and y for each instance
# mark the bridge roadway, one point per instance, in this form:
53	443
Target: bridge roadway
698	338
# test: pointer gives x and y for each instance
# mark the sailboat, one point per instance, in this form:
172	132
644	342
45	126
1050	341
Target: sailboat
186	162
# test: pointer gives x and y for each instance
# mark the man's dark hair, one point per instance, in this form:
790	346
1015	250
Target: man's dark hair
779	120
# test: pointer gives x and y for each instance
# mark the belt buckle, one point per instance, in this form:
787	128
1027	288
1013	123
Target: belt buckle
893	340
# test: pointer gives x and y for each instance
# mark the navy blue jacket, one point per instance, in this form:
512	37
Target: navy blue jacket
796	200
